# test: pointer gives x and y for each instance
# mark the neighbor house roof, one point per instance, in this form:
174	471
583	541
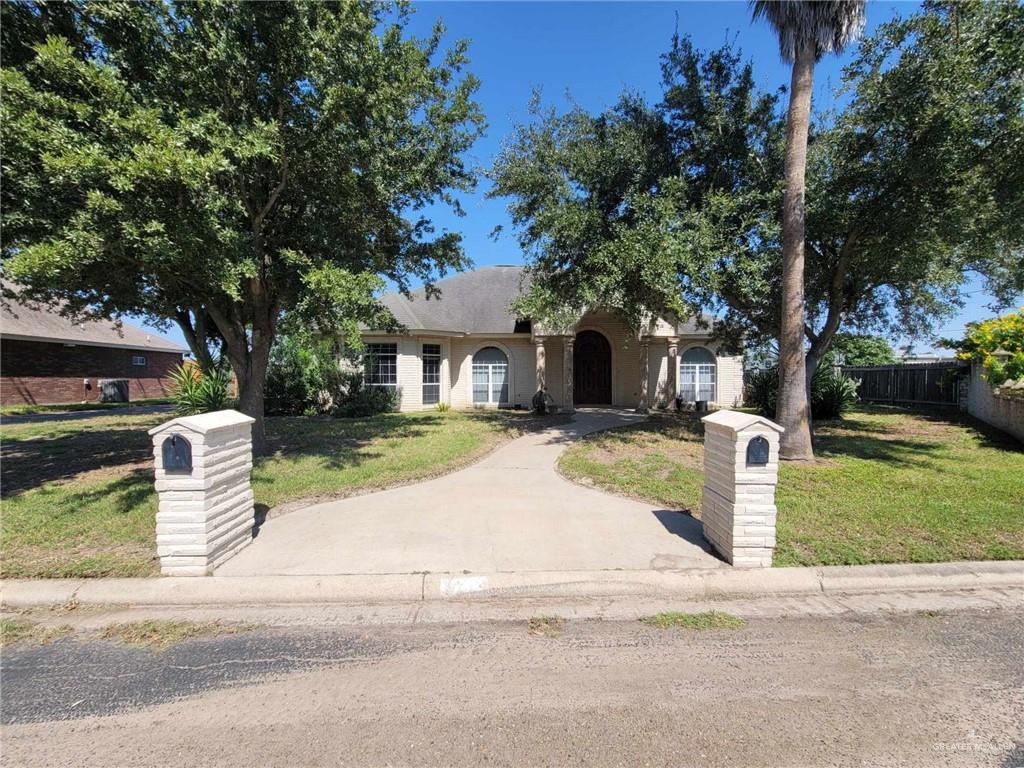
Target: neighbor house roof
477	302
32	322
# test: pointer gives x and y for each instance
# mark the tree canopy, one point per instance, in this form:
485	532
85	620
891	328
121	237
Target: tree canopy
913	185
857	349
221	164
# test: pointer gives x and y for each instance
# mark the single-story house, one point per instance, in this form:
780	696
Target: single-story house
466	348
46	358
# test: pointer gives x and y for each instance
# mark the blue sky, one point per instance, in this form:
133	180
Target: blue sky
594	51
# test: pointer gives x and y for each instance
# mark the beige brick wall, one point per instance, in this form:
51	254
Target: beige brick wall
457	354
1002	411
206	515
728	373
521	362
738	511
730	381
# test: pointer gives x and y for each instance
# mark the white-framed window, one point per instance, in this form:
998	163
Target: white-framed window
381	365
490	377
697	375
431	374
139	361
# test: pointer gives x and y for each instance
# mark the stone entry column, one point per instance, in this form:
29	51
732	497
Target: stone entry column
645	375
741	470
205	514
672	377
567	352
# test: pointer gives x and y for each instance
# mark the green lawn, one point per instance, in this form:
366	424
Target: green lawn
78	496
888	486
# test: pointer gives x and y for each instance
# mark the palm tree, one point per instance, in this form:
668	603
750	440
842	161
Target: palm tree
807	30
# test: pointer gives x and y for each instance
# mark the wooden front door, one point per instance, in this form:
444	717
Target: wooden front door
592	369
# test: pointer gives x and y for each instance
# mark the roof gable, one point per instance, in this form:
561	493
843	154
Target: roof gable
479	302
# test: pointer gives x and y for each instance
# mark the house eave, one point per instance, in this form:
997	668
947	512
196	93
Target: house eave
90	343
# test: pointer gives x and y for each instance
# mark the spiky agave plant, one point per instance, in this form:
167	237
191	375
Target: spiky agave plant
807	30
195	391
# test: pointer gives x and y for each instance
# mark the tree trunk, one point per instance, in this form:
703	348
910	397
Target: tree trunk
252	379
793	410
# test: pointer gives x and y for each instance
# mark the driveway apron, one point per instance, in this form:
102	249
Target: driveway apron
510	511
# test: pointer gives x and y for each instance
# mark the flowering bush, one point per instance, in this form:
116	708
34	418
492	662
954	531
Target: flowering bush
998	344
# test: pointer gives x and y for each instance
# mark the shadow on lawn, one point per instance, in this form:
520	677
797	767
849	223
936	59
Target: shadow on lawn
345	442
930	432
927	433
27	464
34	462
126	493
684	426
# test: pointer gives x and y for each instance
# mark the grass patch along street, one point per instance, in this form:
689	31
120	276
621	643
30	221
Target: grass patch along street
888	485
545	626
705	620
163	633
78	498
15	630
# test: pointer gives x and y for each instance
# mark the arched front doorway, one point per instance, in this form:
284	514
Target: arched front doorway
591	369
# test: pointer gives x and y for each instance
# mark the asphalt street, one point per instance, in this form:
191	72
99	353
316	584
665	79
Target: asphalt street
928	689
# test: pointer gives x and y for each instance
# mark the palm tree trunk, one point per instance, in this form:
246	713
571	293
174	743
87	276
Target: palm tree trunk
793	409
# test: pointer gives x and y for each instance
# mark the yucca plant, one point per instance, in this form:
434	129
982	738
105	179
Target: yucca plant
195	391
832	393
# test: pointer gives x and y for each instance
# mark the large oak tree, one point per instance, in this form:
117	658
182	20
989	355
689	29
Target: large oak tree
222	164
913	187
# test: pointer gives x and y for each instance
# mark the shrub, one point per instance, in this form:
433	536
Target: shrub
998	344
353	399
195	392
301	377
763	391
832	394
306	378
443	407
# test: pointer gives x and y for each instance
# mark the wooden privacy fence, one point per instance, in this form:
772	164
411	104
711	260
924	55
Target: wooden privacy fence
918	383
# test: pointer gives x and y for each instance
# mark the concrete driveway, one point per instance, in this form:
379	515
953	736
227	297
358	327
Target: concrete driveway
509	512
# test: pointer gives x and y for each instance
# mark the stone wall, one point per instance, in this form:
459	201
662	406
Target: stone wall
1005	412
204	516
738	509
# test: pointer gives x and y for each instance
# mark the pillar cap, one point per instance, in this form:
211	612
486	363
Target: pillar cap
737	421
206	422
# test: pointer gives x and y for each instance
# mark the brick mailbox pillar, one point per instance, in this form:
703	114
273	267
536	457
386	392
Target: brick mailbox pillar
206	510
741	470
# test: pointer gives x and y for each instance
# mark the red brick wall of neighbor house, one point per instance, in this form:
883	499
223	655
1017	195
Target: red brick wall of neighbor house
40	373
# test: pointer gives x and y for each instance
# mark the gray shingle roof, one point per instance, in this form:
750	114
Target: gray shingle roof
477	302
37	323
469	302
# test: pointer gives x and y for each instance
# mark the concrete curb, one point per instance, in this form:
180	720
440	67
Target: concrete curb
719	583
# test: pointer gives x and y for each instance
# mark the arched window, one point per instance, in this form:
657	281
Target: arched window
490	377
697	375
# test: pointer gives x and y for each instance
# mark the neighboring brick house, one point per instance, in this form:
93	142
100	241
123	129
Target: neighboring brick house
468	349
48	359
